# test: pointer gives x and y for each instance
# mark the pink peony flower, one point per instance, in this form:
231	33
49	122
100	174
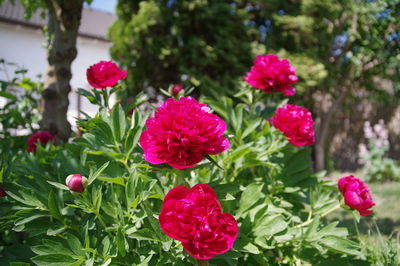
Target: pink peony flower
42	137
181	133
270	74
104	74
76	183
356	194
194	217
2	192
177	88
296	123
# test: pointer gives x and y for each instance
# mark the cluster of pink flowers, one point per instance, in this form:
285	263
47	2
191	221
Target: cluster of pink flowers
356	194
270	74
296	123
194	216
181	133
40	137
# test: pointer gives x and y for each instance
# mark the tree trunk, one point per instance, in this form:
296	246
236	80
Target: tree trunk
63	23
324	128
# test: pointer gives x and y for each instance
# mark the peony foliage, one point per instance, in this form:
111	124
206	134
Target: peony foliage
102	200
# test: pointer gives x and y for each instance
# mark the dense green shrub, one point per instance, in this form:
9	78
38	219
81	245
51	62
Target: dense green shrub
266	183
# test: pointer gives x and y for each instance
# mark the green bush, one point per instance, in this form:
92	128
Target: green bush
266	183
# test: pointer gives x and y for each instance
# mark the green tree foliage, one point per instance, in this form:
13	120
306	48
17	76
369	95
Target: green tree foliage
343	50
201	43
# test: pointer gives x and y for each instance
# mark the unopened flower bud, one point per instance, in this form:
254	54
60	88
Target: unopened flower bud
2	192
76	183
176	89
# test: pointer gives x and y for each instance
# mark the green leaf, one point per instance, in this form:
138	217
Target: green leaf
249	197
342	245
29	219
238	153
270	225
250	128
97	173
75	244
58	185
88	95
312	228
121	242
53	260
119	122
115	180
153	222
143	234
53	206
8	95
213	161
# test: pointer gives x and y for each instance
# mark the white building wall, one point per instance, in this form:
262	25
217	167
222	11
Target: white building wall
25	46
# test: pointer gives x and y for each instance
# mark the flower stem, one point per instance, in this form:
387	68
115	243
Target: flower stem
105	95
202	262
322	215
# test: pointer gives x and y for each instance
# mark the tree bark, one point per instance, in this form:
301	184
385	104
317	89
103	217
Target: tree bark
324	128
64	18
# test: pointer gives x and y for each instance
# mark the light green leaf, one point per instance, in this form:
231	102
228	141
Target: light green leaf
58	185
97	173
53	260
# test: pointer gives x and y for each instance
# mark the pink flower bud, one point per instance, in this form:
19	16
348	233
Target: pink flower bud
177	88
76	183
2	192
356	194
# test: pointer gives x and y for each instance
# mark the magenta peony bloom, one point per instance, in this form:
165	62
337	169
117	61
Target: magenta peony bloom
42	137
76	183
104	74
296	123
177	88
270	74
194	217
181	133
356	194
2	192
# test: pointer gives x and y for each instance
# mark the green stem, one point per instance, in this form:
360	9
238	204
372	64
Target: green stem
202	262
104	92
322	215
100	219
